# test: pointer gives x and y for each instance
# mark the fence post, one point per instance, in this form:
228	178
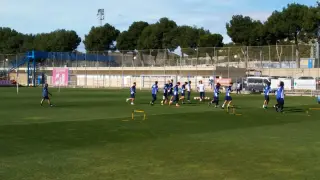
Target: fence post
109	75
228	62
97	65
85	67
122	78
164	69
247	57
197	67
269	59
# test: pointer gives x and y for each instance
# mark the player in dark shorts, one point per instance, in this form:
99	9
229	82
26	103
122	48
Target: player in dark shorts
45	95
216	93
170	93
267	91
165	98
183	92
132	94
175	95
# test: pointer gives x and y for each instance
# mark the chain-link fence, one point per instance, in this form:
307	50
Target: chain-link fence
121	68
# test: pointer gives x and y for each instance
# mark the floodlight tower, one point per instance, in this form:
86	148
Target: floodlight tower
100	16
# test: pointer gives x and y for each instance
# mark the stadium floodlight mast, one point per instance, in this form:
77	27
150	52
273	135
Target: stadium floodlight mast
100	15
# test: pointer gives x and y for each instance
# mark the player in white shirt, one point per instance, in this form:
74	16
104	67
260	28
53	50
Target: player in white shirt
189	91
238	88
201	90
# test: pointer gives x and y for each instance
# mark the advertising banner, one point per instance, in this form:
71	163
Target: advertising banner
287	83
305	84
223	81
60	76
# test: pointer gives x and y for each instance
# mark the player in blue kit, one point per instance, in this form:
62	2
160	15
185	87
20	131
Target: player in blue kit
280	97
175	95
165	98
45	95
132	94
267	91
216	93
183	92
228	98
154	91
171	89
318	99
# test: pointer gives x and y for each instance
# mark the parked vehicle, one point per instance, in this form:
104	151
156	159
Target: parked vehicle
318	80
305	77
256	84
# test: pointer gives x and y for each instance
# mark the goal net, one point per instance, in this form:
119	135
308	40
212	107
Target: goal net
146	81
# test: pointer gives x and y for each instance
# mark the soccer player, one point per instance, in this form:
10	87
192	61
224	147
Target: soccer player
165	98
238	88
171	89
183	92
201	90
211	83
132	94
45	95
267	90
154	91
189	91
280	97
228	98
176	95
216	93
318	99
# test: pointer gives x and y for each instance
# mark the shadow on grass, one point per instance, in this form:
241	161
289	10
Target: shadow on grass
293	110
53	136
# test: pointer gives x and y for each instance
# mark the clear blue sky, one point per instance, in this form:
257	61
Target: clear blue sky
36	16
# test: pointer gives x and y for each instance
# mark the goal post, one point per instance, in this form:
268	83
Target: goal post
146	81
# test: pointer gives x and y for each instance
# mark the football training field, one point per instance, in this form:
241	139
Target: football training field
89	135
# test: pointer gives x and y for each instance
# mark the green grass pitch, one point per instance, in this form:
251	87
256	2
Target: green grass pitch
89	135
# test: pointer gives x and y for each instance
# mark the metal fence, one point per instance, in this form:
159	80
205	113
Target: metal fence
281	56
200	63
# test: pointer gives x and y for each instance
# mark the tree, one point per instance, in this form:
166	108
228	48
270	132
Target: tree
28	43
245	31
211	40
160	35
125	41
149	39
10	41
56	41
295	23
128	40
188	37
42	42
64	41
166	33
209	44
101	38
